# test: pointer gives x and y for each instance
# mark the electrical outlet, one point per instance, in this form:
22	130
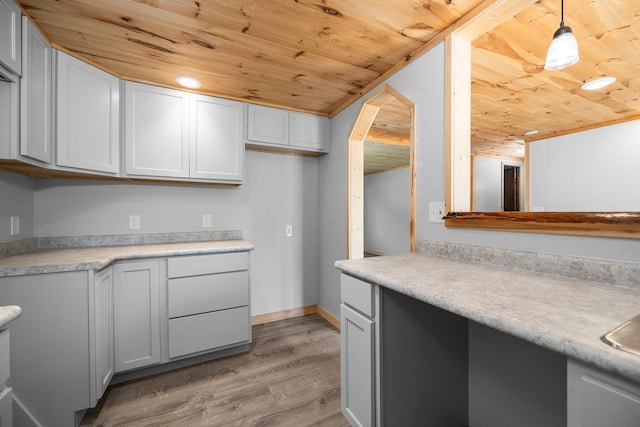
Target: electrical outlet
436	212
289	230
15	225
134	222
206	220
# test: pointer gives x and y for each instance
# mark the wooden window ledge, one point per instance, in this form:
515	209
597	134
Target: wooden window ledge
608	224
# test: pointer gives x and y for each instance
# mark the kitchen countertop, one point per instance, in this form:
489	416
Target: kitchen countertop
8	314
563	314
96	258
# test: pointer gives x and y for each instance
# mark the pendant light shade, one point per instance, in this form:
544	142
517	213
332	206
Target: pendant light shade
564	47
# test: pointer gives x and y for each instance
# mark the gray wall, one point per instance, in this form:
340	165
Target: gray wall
423	82
16	199
386	211
279	190
595	170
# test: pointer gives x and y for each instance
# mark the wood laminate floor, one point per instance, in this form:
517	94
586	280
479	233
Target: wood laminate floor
290	377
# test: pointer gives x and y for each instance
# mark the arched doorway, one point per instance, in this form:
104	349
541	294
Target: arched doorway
385	117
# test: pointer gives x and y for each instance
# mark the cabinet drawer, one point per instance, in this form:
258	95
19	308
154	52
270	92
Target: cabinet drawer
207	264
208	331
199	294
357	294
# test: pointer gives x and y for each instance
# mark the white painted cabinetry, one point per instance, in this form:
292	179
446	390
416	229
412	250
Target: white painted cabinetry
357	351
308	131
156	131
102	328
87	116
290	130
136	295
35	92
596	398
208	300
11	36
6	394
216	139
174	134
267	125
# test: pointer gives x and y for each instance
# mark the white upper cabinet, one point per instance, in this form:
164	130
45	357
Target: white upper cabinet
295	131
217	143
156	131
35	92
170	133
266	124
10	36
308	131
88	116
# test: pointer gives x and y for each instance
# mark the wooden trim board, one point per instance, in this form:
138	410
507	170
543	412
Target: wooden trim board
284	314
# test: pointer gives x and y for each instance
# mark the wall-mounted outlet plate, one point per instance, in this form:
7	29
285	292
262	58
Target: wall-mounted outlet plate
289	230
206	220
436	212
134	222
15	225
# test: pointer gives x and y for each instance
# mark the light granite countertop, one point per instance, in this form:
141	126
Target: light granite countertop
563	314
9	313
96	258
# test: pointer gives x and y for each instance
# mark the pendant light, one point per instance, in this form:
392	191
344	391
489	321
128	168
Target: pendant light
564	47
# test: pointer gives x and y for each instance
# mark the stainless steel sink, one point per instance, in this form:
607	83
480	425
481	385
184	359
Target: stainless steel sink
626	336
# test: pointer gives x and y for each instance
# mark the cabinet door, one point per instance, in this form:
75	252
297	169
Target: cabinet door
137	314
357	367
267	125
307	131
103	330
596	398
88	116
217	144
156	131
11	36
35	92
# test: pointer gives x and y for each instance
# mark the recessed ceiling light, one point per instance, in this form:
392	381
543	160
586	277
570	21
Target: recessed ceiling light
531	133
598	83
188	82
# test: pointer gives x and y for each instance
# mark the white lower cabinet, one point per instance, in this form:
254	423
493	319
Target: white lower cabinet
103	334
596	398
6	394
208	302
357	363
137	314
358	352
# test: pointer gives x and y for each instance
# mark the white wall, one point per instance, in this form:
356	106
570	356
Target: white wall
279	190
423	82
386	211
595	170
16	199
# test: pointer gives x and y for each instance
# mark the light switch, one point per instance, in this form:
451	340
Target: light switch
15	225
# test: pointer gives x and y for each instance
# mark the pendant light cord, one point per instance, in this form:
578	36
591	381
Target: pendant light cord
562	13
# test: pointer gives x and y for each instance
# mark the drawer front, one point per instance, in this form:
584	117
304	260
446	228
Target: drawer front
208	331
200	294
357	294
207	264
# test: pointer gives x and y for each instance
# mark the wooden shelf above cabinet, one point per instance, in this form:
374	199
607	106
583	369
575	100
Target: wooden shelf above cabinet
607	224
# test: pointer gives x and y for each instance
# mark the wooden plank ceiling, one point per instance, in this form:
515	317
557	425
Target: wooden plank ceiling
320	55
